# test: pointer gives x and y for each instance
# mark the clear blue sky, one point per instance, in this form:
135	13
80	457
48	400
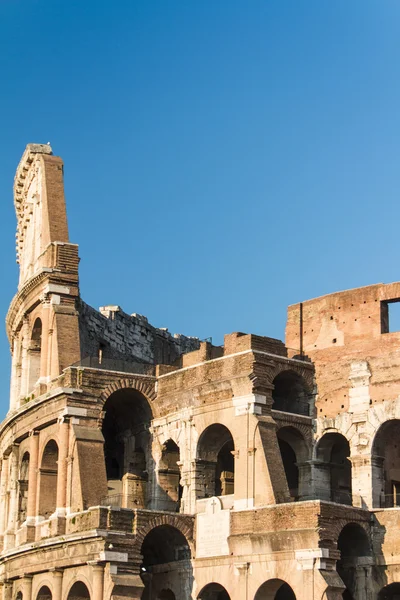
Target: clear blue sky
223	158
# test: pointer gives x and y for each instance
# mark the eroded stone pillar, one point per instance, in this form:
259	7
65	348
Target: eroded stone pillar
27	588
4	492
98	582
63	439
57	584
32	478
13	500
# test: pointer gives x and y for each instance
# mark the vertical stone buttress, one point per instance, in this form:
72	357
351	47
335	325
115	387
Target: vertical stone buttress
42	322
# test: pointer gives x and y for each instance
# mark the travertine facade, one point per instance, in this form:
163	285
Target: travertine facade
138	464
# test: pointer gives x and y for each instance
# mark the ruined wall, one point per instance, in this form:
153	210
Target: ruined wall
119	336
347	336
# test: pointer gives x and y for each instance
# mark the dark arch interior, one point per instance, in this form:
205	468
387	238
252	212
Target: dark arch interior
36	336
44	593
169	476
290	394
386	475
291	469
293	449
275	589
353	543
390	592
164	544
334	451
23	488
79	591
48	479
213	591
165	550
127	446
215	461
166	595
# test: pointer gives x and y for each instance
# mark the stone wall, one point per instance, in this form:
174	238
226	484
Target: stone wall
113	334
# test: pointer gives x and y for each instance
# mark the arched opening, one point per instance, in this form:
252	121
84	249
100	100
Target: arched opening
48	480
127	448
333	469
34	354
355	554
275	589
166	565
291	395
44	593
23	488
19	596
295	457
213	591
78	591
169	477
390	592
215	462
386	465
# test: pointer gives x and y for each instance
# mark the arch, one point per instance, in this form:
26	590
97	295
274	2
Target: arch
169	476
44	593
355	551
385	455
127	447
78	591
333	468
275	589
166	564
23	488
183	524
390	592
146	388
34	354
19	595
213	591
290	394
48	474
215	465
294	452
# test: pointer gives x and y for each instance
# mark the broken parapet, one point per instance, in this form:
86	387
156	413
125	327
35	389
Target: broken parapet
129	337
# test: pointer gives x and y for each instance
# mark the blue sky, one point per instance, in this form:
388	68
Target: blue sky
223	159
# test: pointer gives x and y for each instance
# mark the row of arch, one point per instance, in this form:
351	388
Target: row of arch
129	460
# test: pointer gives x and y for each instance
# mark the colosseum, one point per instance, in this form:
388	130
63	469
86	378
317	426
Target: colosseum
137	464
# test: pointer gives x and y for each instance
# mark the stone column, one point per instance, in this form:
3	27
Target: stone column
367	481
25	340
3	493
63	438
27	587
98	582
13	485
7	590
57	584
32	477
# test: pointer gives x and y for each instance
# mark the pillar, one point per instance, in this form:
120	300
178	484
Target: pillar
13	486
32	477
367	481
98	582
63	439
27	587
57	584
4	493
